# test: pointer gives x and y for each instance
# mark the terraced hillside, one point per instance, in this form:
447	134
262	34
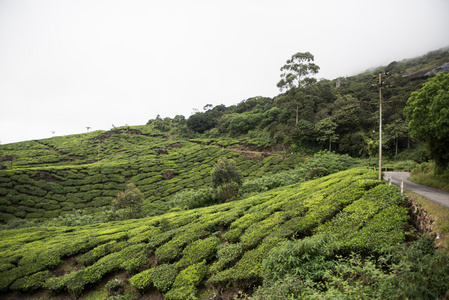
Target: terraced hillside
205	251
47	178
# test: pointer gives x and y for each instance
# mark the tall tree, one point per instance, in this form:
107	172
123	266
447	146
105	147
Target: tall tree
427	113
296	70
395	131
295	73
326	131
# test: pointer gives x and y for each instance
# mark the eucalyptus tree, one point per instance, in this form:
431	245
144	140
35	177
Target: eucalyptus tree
296	72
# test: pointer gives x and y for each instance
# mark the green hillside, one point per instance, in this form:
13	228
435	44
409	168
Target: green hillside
44	179
47	178
209	250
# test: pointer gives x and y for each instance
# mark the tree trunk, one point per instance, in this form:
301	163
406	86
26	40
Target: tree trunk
396	144
297	114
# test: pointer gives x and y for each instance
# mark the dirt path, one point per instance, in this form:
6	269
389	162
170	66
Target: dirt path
438	196
250	154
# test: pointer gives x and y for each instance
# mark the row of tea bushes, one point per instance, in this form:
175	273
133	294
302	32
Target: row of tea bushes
28	153
48	192
220	246
81	148
97	145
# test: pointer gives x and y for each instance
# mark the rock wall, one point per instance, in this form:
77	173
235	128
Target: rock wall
421	219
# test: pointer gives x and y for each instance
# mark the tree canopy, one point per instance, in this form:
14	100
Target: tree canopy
130	201
226	178
427	114
296	70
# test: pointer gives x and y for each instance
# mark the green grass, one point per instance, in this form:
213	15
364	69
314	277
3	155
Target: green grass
425	175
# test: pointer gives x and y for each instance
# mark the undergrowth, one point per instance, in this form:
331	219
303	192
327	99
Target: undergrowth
426	174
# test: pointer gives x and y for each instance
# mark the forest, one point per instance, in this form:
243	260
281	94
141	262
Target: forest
270	198
340	115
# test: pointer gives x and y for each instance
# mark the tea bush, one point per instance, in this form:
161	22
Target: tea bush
325	163
184	286
193	198
227	254
142	280
163	276
198	251
32	282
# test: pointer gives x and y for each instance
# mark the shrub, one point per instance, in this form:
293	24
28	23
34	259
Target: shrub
193	198
32	282
142	280
164	276
269	182
55	284
288	287
227	178
249	267
115	287
199	250
308	257
256	232
131	201
96	253
227	253
325	163
184	286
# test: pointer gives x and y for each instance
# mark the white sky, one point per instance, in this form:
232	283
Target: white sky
66	65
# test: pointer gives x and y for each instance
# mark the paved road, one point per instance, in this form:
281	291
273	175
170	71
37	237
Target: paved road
438	196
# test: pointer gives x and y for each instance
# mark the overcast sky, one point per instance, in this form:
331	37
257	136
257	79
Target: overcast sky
66	65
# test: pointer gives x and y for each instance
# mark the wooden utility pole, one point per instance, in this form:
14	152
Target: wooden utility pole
380	85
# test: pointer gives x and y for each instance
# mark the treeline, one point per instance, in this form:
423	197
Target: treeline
340	115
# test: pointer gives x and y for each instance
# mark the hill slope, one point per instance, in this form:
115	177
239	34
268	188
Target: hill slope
208	248
48	178
52	177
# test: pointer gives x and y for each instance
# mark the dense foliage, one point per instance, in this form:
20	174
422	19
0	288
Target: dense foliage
427	113
341	114
313	269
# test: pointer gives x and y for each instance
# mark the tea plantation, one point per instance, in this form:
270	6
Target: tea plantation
344	223
44	179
